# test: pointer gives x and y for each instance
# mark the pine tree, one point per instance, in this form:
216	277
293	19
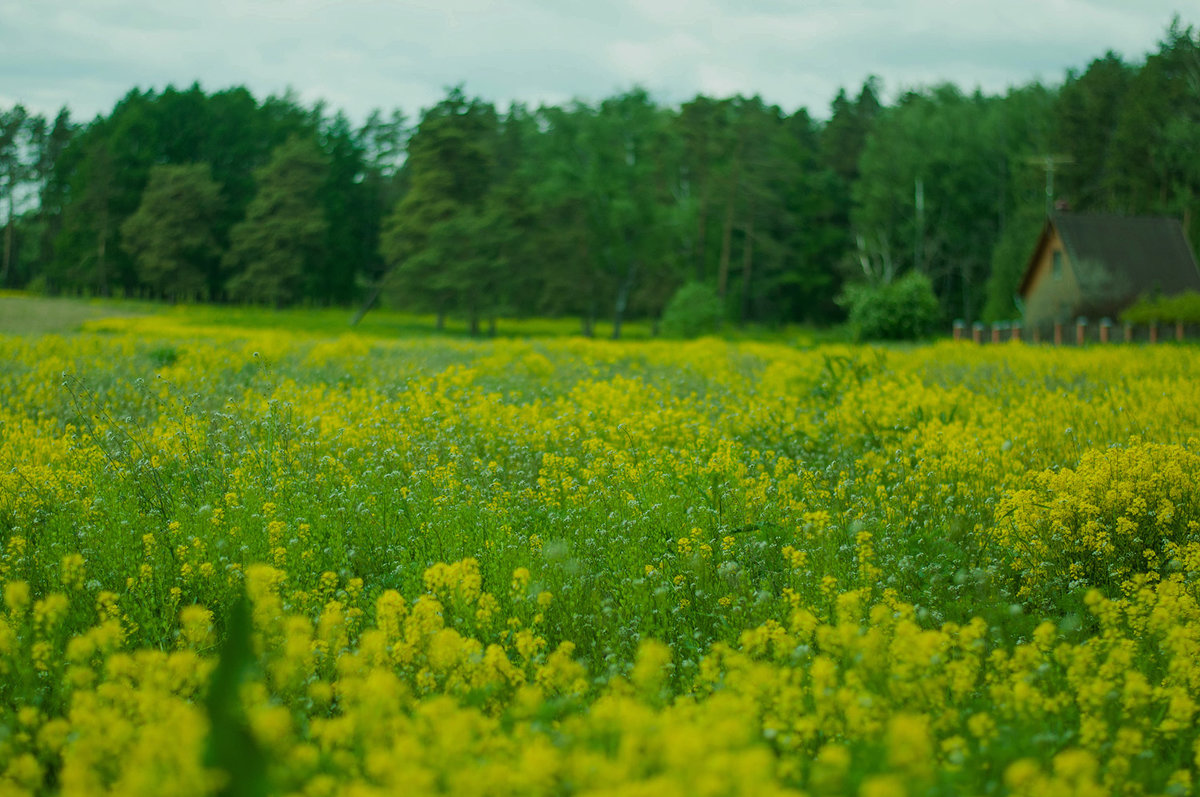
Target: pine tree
172	235
282	240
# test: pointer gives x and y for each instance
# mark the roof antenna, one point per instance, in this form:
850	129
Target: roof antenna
1049	163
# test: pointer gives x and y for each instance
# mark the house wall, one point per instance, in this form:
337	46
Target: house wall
1048	299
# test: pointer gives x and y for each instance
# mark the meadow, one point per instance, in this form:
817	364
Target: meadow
239	559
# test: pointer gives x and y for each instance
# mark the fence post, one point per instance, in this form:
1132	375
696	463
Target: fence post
1105	329
1016	331
995	332
959	328
1179	331
1057	333
977	332
1129	332
1080	331
1154	332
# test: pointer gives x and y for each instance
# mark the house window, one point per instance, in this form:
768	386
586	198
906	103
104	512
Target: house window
1057	269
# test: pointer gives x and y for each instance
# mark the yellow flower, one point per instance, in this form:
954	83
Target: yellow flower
16	596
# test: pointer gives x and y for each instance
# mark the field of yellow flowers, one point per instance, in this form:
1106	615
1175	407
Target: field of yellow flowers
263	562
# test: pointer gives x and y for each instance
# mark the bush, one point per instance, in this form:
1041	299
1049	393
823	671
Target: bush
906	309
1183	307
38	286
694	310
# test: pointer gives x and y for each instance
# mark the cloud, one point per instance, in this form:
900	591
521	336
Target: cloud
363	54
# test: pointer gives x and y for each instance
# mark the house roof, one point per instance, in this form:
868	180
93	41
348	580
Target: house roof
1143	252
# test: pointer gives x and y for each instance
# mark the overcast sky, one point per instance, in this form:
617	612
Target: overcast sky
362	54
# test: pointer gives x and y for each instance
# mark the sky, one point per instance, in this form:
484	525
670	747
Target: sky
358	55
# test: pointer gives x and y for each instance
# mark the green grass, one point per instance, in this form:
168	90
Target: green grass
21	314
26	314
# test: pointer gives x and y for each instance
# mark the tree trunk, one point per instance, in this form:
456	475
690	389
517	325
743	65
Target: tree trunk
8	247
46	240
727	227
623	299
726	246
368	304
593	310
587	320
101	251
473	319
6	273
966	292
747	267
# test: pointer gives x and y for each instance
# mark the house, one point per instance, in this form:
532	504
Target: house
1094	265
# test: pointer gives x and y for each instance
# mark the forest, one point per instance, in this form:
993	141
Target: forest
595	210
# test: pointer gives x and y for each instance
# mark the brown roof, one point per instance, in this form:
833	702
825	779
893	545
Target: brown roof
1141	253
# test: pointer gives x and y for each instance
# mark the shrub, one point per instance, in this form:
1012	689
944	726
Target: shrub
38	286
1183	307
905	309
694	310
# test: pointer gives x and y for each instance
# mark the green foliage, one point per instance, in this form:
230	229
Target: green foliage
694	310
1085	121
1009	259
943	147
1184	307
441	241
282	239
14	125
601	210
850	124
172	236
905	309
612	181
232	747
1152	163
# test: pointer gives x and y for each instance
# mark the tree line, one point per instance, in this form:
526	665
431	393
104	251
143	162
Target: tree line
595	210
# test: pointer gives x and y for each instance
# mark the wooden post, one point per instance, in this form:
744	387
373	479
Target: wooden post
1129	332
1016	331
995	332
1080	331
1154	332
977	332
960	327
1057	333
1179	331
1105	329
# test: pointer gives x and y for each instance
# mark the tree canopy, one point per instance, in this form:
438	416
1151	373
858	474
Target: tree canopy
599	210
172	235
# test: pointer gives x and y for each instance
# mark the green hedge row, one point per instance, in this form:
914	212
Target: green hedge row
1183	307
